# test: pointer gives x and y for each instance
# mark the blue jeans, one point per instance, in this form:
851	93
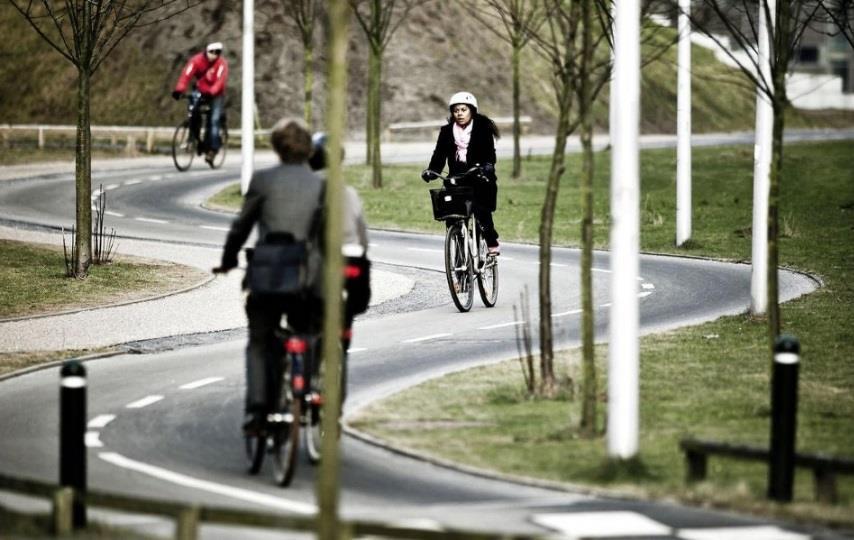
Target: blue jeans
213	139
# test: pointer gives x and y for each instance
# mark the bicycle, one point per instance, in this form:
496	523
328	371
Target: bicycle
298	404
466	255
187	141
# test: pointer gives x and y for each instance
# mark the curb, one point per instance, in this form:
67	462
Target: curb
112	305
563	487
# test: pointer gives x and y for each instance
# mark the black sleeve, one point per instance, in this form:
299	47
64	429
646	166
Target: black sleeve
440	156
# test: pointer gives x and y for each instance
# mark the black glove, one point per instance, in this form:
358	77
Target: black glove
176	95
226	265
488	169
427	175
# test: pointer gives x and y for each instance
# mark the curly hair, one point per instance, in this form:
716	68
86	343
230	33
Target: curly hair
291	140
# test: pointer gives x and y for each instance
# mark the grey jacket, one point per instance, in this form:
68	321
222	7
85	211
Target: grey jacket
283	199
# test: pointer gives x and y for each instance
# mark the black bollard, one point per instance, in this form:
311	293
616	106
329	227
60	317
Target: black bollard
784	411
72	433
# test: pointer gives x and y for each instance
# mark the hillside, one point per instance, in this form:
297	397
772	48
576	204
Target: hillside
429	58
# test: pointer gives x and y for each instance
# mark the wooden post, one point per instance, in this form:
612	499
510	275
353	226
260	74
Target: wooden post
825	485
149	143
696	462
41	138
187	524
130	149
63	501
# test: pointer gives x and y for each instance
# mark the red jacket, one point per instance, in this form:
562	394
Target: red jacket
211	75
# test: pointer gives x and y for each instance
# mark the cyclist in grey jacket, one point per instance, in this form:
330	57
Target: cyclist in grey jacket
282	200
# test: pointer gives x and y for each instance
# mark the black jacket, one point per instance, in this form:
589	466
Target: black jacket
481	150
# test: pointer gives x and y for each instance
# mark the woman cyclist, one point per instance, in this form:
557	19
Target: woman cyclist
466	141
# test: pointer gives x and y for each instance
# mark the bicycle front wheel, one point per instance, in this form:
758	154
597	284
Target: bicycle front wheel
183	146
285	446
487	281
219	160
458	268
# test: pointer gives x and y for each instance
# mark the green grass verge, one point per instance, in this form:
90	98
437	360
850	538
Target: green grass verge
32	280
707	381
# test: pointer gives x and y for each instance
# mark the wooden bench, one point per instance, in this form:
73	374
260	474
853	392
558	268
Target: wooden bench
825	468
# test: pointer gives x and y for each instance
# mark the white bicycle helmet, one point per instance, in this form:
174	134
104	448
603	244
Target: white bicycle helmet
465	98
215	46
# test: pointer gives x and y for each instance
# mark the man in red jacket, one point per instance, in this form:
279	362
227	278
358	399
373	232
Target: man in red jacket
210	70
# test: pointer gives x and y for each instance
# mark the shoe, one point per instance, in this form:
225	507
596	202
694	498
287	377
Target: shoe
209	158
253	425
493	251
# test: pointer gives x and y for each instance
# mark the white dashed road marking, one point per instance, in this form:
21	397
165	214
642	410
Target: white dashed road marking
426	338
213	228
202	382
602	524
565	313
144	402
100	421
500	325
211	487
132	182
647	285
114	214
352	350
766	532
151	220
92	440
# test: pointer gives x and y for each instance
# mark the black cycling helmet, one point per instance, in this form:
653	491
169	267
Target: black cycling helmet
317	160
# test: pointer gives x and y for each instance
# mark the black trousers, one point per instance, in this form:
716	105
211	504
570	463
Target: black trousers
263	354
304	316
487	226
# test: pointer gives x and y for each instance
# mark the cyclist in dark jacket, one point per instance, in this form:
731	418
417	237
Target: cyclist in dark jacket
466	141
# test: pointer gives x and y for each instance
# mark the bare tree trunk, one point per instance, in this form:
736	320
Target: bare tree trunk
308	60
774	323
329	475
83	178
369	112
548	379
517	159
588	392
374	85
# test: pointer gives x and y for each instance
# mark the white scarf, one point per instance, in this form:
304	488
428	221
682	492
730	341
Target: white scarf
462	136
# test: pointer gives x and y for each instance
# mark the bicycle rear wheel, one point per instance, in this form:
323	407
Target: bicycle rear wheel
219	160
285	446
458	269
183	146
314	432
256	445
487	281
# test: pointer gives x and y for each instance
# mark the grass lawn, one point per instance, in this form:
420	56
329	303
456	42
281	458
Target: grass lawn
32	281
708	381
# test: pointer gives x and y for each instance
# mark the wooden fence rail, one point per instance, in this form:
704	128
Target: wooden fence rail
189	517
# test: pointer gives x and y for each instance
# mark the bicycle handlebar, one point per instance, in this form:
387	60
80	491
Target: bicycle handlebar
453	179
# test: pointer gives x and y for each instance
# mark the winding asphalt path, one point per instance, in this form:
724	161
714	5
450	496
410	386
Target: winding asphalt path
165	424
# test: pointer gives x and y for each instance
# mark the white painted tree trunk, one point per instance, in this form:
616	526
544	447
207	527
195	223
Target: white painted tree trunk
625	234
761	170
247	100
683	126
